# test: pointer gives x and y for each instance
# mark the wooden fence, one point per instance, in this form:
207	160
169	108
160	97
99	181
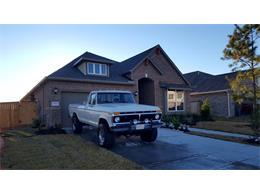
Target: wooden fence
14	114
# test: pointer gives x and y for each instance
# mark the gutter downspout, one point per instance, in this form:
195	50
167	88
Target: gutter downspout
228	98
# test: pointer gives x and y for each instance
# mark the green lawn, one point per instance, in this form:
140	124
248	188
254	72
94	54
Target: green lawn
227	126
24	150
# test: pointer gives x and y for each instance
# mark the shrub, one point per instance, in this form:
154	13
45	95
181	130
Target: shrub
166	119
205	110
255	122
195	119
176	122
36	123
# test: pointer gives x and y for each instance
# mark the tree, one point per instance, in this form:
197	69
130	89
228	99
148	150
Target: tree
242	50
205	110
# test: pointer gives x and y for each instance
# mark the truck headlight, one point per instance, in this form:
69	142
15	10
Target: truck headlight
135	121
157	117
117	119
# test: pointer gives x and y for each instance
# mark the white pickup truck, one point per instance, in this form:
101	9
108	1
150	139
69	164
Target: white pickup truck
114	113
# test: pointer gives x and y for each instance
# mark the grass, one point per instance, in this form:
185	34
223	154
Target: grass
222	137
24	150
226	126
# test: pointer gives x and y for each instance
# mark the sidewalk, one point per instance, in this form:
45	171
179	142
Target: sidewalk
219	133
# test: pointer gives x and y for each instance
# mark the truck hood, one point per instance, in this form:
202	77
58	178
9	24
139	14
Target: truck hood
126	107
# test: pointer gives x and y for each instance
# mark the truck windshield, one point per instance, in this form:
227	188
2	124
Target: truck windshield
106	98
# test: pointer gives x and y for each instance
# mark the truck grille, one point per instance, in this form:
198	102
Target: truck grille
142	117
148	116
128	118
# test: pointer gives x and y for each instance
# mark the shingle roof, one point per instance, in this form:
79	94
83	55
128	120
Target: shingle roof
128	64
204	82
175	86
69	71
117	70
116	73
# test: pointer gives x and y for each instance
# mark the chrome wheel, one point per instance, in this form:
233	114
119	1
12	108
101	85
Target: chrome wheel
73	127
73	124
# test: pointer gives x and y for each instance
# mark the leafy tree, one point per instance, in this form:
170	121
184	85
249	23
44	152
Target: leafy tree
242	50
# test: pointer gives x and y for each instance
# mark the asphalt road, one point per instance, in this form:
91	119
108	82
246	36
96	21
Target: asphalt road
177	150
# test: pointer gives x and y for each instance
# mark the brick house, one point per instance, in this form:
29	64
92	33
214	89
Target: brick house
150	75
217	90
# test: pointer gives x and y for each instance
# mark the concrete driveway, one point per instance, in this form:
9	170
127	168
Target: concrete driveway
177	150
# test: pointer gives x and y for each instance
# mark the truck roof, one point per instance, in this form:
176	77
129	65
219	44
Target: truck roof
111	91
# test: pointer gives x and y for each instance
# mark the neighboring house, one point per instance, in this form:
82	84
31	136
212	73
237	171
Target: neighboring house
217	89
151	75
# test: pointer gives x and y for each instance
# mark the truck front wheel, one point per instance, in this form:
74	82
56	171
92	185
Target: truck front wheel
76	125
149	135
105	136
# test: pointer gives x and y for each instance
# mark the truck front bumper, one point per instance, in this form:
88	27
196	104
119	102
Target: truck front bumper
138	127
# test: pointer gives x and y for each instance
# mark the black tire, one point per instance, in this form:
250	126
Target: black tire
105	137
149	135
76	125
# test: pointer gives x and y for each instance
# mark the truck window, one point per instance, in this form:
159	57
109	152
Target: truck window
106	98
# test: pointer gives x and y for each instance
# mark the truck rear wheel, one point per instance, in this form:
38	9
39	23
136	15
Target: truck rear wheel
105	136
149	135
76	125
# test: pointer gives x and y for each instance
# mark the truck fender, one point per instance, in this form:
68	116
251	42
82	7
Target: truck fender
102	120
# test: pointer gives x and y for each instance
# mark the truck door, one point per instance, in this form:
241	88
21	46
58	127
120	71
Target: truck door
91	112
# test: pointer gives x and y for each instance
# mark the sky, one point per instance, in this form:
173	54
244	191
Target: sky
28	53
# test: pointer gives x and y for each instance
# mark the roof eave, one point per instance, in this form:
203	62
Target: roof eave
91	81
209	92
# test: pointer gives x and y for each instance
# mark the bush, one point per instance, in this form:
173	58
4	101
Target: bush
195	119
205	110
188	119
36	123
176	122
166	119
255	122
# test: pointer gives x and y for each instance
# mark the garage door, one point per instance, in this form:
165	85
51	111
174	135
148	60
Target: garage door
70	98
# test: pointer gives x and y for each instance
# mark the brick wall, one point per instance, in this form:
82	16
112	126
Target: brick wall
218	103
169	75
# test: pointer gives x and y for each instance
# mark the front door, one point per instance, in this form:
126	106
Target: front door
146	91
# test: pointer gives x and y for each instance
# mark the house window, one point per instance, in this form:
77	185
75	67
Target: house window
90	68
97	69
103	69
175	100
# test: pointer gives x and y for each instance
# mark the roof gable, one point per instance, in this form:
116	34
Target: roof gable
129	65
87	56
